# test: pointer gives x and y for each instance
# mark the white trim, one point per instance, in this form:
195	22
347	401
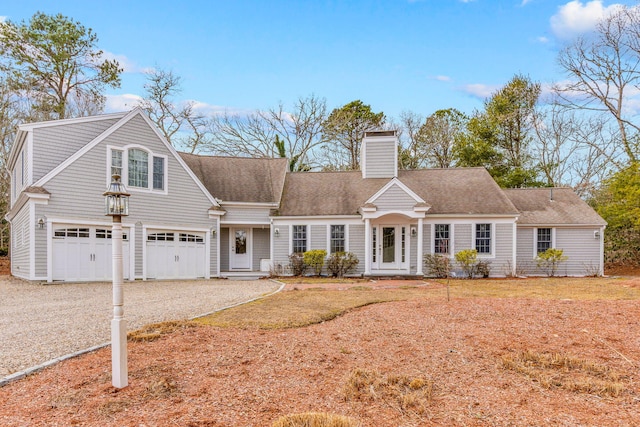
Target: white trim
420	248
535	240
61	122
249	205
175	229
49	250
207	254
452	234
391	183
308	234
32	240
514	249
346	236
408	214
492	254
218	256
125	168
249	244
357	218
231	222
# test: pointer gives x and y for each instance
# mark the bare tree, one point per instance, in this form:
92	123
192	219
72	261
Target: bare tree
603	69
179	123
299	133
572	150
410	155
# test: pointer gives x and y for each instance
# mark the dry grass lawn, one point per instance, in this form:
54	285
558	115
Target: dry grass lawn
558	352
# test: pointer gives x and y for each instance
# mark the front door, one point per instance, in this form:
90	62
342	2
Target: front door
240	249
390	247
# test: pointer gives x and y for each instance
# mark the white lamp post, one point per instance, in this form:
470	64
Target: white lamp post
117	206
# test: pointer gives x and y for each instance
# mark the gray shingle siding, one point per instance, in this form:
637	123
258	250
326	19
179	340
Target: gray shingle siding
380	161
356	245
41	246
245	215
53	145
224	249
261	246
281	247
395	198
503	262
20	236
318	236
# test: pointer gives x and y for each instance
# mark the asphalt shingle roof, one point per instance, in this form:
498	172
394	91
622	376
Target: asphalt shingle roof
240	179
566	208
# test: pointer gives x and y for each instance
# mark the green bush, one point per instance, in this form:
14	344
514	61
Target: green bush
341	263
550	259
4	251
315	259
296	262
437	265
468	260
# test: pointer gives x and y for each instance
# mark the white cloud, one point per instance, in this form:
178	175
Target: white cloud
480	90
117	103
3	18
127	65
525	2
442	78
576	17
543	39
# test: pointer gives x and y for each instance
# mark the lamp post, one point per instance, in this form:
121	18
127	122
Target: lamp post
117	206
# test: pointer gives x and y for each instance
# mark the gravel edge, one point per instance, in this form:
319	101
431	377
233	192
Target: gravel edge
32	370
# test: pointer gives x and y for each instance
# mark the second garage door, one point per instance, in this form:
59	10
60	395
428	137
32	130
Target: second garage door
175	255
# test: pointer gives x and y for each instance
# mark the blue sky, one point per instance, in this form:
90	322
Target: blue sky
417	55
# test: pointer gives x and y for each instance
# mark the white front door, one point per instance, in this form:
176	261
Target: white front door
240	248
390	247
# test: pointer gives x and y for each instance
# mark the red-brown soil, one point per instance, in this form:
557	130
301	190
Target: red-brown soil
205	376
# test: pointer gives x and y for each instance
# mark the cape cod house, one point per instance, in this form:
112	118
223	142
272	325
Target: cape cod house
195	216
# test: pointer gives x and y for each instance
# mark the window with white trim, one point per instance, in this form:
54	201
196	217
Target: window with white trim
483	238
441	239
299	239
138	168
543	240
337	239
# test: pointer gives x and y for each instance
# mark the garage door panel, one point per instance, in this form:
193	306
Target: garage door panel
175	255
85	253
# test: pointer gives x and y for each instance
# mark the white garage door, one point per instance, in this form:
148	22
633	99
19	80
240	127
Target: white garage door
82	253
175	255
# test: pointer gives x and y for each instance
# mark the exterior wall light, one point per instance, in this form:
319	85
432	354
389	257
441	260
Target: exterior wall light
414	232
41	223
276	232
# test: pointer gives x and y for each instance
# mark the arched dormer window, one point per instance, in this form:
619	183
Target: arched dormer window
139	168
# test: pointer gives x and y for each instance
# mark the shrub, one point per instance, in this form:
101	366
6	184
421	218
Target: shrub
4	251
483	268
437	265
468	260
315	259
297	265
341	263
550	259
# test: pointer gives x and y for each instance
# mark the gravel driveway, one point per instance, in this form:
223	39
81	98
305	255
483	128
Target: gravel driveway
42	322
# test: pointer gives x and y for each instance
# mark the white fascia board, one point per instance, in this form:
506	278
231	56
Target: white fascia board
83	221
471	216
214	213
244	222
314	218
392	182
175	228
551	225
18	143
254	205
22	199
86	119
62	166
380	214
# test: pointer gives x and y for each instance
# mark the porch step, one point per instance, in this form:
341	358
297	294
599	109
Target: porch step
244	275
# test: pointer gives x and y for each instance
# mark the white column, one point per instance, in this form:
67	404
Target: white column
367	246
119	372
420	249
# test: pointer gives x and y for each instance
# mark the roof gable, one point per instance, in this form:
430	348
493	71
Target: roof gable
136	112
395	195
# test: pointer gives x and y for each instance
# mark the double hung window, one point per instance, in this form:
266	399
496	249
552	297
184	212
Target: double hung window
441	243
337	238
483	238
299	238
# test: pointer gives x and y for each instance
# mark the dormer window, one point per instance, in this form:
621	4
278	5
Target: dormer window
142	170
